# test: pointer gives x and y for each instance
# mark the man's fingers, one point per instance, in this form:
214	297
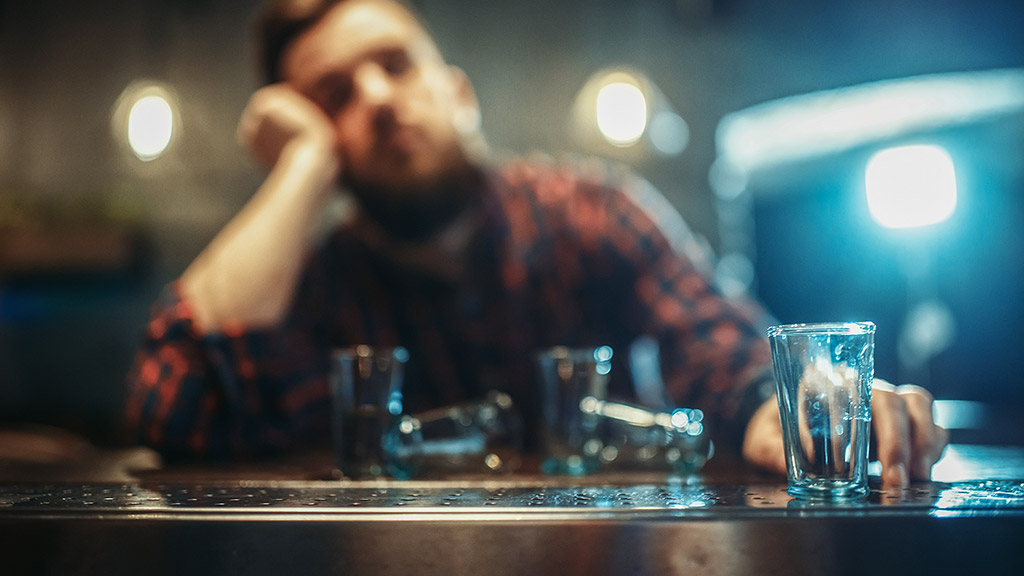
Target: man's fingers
762	444
276	115
907	440
928	440
892	433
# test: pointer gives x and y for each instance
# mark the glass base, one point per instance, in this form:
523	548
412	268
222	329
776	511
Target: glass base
827	489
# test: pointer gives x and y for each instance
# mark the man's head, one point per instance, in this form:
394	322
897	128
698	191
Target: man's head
402	117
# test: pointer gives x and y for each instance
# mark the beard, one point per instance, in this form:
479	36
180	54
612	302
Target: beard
418	213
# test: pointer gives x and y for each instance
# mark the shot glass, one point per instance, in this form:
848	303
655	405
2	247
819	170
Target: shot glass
637	438
366	387
823	374
481	435
570	437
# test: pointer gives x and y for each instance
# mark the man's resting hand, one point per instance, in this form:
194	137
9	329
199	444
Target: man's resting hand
908	441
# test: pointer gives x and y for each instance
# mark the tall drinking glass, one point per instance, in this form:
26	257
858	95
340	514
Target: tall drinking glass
823	374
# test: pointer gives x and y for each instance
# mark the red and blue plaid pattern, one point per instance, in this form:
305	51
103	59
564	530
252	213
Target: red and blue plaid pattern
564	257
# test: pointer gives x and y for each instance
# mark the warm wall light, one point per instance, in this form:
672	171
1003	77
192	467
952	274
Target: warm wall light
150	126
910	186
621	112
145	119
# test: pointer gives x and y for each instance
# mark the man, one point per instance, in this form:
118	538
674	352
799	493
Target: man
472	267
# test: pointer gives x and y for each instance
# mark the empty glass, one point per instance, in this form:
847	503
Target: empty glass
366	387
823	374
634	437
570	439
483	435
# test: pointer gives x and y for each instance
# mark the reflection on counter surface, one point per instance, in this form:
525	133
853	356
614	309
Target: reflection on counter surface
113	510
689	500
273	517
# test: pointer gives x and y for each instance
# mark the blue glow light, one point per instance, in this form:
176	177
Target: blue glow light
832	121
911	186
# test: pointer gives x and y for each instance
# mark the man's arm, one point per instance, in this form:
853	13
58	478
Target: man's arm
208	379
226	394
247	276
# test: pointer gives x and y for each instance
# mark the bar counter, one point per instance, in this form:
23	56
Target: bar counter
290	517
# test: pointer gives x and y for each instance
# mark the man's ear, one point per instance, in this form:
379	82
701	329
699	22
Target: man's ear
466	115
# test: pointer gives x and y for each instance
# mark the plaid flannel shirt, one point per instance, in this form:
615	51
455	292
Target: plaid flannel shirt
580	256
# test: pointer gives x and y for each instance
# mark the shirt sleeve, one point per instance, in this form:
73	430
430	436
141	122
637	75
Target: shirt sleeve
233	393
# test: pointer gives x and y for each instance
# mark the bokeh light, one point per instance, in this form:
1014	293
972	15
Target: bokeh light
146	119
669	133
150	127
621	113
909	186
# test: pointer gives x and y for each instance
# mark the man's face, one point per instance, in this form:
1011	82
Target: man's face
392	100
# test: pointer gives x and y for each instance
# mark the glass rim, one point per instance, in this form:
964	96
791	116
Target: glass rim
822	328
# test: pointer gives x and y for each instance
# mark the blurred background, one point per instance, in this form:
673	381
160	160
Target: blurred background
758	121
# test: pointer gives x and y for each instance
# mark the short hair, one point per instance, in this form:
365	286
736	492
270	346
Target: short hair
278	23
